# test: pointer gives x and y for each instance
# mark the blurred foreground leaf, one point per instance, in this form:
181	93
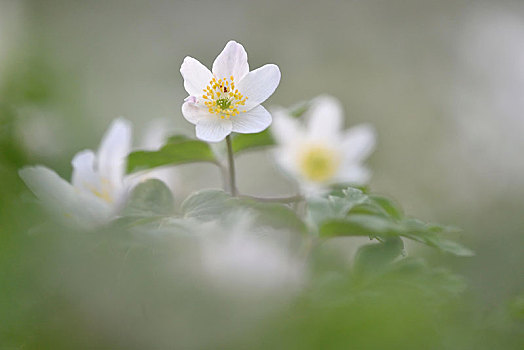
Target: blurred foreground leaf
206	204
374	257
275	215
150	198
178	150
214	204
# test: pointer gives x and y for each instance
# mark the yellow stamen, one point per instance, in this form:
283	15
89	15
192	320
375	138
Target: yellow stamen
223	97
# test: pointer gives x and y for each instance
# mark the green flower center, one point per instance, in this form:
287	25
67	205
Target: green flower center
221	97
223	103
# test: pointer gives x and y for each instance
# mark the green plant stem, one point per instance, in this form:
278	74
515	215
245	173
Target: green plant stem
291	199
231	161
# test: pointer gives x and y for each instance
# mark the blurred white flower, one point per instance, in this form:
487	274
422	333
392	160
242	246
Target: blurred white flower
320	153
242	257
97	188
228	98
99	185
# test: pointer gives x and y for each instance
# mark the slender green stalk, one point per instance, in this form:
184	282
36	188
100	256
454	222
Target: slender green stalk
291	199
231	161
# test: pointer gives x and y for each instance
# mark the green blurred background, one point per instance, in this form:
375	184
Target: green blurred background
442	82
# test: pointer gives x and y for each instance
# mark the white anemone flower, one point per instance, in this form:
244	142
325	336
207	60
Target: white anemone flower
320	153
240	258
227	98
98	188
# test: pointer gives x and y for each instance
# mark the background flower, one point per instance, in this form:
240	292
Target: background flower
242	258
99	185
318	153
97	189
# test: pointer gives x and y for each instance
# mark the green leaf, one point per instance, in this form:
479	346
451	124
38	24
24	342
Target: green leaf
150	198
178	150
333	207
372	258
276	215
214	204
351	212
416	274
387	206
430	234
206	204
137	222
445	245
359	225
244	142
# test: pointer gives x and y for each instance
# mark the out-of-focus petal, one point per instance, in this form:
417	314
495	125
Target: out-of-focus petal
354	174
309	188
84	175
324	117
286	158
285	128
63	200
114	148
358	142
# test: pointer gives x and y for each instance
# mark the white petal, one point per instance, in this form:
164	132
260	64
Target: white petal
84	175
354	174
213	129
259	84
324	117
286	158
113	151
196	76
358	142
253	121
62	199
232	61
194	112
285	128
311	189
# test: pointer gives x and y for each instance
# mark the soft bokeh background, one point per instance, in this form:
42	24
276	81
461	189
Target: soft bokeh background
442	81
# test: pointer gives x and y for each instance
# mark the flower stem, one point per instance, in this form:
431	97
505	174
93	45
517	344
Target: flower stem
285	200
231	161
